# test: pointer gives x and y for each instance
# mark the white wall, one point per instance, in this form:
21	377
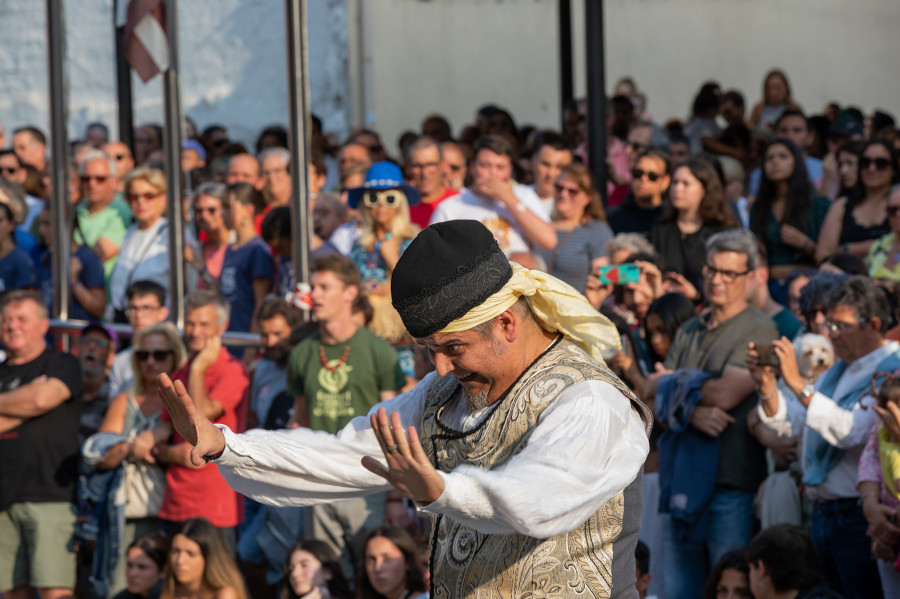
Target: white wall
232	60
450	56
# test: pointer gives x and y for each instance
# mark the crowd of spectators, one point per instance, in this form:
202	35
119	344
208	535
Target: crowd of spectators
750	264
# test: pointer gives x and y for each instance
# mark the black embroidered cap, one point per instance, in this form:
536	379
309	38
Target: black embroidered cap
447	270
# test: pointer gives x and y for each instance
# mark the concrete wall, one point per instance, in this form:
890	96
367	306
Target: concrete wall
450	56
232	64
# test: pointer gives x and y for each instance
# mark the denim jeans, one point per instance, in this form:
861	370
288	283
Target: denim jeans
839	536
729	524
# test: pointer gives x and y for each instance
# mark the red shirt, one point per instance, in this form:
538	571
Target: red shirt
421	212
204	493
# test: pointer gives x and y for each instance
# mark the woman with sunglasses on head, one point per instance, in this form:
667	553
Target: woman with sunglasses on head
134	414
853	222
144	254
581	228
786	216
697	211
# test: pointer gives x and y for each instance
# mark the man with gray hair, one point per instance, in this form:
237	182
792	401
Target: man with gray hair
102	217
833	419
218	383
708	507
425	171
244	168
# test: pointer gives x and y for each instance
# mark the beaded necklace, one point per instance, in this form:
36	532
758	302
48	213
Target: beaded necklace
341	361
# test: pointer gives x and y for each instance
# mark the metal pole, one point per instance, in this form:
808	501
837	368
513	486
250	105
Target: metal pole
59	145
123	84
298	113
172	141
566	86
596	88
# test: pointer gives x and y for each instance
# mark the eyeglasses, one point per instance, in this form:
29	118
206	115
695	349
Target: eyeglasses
728	276
9	170
562	189
158	355
879	163
893	210
639	174
838	328
141	309
372	199
428	166
98	178
150	195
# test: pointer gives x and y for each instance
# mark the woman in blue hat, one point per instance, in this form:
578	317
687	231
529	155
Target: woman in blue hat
383	203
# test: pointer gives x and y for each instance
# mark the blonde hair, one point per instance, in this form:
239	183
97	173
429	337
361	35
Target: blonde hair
401	227
153	176
167	330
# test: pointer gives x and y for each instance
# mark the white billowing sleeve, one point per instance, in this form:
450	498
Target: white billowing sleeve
303	467
839	427
788	420
586	448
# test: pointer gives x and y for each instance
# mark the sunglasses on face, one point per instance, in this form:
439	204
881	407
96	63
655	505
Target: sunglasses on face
372	199
98	178
134	197
563	189
639	174
158	355
879	163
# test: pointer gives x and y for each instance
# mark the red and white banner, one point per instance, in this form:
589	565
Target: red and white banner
146	42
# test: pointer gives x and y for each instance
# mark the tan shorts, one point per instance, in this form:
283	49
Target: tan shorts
37	546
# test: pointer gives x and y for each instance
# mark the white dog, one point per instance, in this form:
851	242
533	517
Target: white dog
814	354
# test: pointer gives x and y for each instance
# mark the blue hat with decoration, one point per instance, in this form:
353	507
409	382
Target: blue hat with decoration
380	177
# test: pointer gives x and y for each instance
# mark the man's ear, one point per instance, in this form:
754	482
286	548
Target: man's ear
510	323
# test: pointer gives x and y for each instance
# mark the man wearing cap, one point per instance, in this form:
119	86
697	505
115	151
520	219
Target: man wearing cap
522	444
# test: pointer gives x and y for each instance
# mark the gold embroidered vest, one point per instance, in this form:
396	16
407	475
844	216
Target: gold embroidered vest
581	563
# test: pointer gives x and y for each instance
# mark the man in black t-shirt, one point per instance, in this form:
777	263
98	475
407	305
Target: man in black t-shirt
40	409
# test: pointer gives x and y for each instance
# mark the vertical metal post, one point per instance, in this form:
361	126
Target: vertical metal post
172	141
298	113
123	83
59	160
596	88
566	86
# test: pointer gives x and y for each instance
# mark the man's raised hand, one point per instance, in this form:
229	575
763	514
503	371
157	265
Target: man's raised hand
196	429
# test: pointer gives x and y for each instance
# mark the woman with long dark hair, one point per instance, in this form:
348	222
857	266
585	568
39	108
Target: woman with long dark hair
848	166
313	571
730	577
855	221
145	567
200	566
392	566
696	212
786	216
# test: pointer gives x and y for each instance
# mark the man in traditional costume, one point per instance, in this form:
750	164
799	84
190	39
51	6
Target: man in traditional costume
525	448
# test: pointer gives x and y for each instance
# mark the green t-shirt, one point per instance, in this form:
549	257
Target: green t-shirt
110	223
742	462
337	394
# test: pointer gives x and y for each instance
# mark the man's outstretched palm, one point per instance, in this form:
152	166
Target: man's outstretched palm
196	429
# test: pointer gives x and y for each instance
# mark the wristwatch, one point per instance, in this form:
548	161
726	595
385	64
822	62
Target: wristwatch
806	393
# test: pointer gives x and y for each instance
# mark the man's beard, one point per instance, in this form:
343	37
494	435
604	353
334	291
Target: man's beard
476	401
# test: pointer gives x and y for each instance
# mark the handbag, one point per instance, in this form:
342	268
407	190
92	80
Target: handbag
144	486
